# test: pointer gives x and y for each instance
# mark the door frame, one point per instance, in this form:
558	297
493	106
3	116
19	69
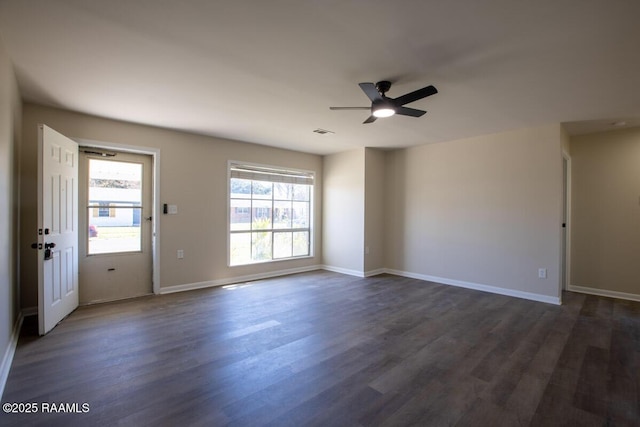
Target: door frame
155	203
566	244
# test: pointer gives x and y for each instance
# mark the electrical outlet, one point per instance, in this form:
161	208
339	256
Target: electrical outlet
180	253
542	273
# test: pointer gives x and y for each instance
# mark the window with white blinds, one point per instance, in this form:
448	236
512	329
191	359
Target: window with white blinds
269	213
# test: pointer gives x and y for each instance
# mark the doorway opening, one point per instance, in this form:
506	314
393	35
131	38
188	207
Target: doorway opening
118	222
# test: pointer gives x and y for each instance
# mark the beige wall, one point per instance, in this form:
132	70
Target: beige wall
605	210
10	117
483	210
343	212
480	211
193	176
374	202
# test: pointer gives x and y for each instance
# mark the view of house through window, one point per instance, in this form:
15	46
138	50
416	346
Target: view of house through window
270	214
115	206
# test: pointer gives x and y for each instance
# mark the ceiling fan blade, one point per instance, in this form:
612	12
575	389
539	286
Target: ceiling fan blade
415	95
370	90
406	111
349	108
371	119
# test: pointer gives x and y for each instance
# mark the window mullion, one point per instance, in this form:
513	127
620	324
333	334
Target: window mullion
291	215
273	195
251	225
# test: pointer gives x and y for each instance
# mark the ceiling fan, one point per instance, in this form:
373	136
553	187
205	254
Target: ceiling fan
383	106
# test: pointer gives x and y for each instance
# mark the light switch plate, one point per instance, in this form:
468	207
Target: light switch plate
173	209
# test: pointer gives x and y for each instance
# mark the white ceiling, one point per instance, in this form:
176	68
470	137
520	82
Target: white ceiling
267	71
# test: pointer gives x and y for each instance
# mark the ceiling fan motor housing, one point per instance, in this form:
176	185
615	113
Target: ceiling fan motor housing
383	107
383	86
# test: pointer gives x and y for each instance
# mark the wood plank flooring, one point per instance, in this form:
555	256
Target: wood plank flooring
324	349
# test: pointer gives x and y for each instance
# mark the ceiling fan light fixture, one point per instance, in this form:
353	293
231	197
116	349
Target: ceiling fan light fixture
383	106
384	112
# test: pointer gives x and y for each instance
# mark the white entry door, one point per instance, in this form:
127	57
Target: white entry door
57	227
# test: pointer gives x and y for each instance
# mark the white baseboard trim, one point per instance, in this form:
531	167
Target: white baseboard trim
7	359
354	272
237	279
375	272
479	287
102	301
459	283
29	311
343	271
604	293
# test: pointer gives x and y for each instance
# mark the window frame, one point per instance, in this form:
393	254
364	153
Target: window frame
310	227
95	208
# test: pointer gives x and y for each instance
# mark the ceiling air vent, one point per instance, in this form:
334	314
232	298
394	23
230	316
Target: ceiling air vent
322	131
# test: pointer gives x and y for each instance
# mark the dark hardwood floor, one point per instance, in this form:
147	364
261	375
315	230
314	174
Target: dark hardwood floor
326	349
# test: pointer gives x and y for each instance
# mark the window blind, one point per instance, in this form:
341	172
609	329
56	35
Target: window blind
260	173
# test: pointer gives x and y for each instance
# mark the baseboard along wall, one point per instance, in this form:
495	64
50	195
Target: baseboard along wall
604	293
236	279
9	352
